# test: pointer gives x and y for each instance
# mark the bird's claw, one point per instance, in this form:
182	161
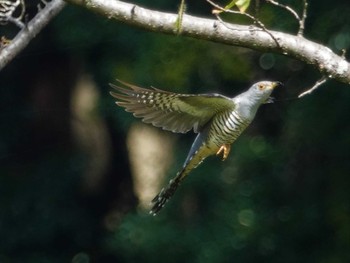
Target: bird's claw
225	148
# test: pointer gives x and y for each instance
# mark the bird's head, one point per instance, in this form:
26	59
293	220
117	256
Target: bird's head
248	102
260	92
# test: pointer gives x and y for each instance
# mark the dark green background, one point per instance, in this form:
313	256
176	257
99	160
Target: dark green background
288	176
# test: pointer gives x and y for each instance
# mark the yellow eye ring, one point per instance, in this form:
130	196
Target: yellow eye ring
261	86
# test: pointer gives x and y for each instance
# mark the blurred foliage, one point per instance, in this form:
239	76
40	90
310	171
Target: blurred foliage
282	195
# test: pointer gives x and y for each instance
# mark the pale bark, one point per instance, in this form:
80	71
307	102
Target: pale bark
327	62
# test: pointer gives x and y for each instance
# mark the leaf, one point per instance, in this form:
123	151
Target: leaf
232	4
243	5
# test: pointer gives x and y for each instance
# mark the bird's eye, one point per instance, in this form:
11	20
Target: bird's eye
261	87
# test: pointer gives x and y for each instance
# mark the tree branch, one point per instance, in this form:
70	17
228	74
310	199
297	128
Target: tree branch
327	62
314	87
29	31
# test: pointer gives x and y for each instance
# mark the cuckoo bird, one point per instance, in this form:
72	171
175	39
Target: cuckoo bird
217	119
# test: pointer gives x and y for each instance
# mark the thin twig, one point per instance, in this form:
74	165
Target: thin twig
7	10
22	39
317	84
227	25
16	22
256	21
288	8
23	9
301	20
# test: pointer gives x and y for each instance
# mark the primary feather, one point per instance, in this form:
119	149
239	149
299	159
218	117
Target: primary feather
170	111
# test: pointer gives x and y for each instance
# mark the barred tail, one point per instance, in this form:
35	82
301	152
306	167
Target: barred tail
194	158
166	193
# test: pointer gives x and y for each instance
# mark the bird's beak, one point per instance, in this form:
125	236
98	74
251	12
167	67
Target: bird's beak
276	84
272	87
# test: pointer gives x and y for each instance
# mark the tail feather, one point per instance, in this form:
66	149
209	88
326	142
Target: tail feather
165	194
199	151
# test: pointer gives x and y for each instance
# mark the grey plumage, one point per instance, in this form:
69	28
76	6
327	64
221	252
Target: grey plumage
217	119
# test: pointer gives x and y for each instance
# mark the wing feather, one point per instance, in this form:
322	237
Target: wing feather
171	111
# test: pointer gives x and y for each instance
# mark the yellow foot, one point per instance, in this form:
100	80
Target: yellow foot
226	149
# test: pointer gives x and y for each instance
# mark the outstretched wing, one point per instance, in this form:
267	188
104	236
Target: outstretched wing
171	111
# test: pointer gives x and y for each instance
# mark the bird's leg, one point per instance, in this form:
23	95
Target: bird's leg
226	149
